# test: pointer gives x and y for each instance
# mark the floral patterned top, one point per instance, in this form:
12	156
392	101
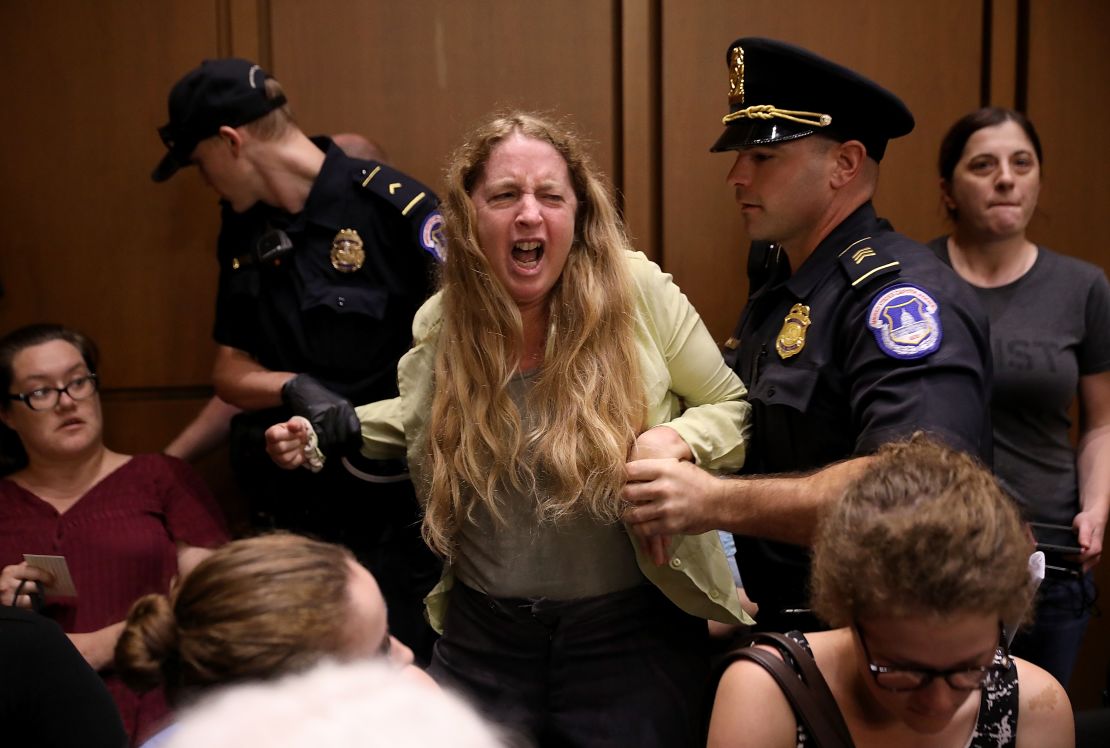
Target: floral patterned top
996	726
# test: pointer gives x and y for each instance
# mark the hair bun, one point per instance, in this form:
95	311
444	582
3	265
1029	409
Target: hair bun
148	644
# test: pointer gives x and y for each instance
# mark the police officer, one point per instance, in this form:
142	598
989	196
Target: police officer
324	260
853	335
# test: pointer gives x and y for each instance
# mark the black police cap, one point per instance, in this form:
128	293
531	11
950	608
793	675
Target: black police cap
780	92
227	91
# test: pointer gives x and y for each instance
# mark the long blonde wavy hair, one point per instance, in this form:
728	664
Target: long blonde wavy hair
587	398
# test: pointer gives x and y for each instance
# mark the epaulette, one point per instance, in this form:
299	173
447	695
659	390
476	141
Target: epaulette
863	261
412	199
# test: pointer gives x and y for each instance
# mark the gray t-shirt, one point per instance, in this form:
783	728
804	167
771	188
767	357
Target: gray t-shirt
528	557
1048	328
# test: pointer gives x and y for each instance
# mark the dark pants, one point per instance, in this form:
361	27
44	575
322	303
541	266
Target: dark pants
378	522
615	671
1060	620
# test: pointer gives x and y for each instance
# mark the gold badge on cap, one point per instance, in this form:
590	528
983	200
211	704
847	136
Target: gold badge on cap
347	254
736	76
792	336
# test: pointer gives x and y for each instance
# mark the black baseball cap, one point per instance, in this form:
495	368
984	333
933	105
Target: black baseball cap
228	91
780	92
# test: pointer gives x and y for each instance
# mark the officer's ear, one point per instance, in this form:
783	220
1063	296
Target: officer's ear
232	137
850	158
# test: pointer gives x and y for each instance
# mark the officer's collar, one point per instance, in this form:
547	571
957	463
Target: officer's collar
815	268
326	203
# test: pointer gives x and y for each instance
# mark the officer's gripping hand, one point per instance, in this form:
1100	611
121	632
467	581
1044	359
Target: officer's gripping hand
332	417
671	497
655	443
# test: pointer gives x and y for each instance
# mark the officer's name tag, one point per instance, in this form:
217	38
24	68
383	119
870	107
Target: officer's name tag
906	322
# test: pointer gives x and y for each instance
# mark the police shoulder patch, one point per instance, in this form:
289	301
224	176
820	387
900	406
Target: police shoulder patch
905	322
431	235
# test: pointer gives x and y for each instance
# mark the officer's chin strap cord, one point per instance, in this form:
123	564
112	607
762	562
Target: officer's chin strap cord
769	111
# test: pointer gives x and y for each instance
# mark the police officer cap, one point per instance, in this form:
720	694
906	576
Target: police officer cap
220	92
780	92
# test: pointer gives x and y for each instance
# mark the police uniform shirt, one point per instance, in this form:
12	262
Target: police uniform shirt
854	384
298	312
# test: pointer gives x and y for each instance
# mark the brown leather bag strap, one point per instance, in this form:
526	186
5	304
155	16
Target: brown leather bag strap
805	665
804	687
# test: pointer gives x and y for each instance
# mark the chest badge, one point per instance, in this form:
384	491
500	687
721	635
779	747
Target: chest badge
347	254
792	336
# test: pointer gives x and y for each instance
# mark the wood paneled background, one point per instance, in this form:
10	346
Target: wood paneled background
87	239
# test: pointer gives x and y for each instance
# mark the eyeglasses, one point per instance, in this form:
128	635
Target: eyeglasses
45	398
960	679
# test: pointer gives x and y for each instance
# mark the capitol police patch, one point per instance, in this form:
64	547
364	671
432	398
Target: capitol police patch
431	235
906	322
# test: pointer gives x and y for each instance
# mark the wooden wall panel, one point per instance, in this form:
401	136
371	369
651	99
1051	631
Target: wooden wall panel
927	53
416	76
1003	53
145	424
1068	77
86	237
247	32
640	135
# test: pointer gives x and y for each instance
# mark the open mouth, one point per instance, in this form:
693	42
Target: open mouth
71	422
527	254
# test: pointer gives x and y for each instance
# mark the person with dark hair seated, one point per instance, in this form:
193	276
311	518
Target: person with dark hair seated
125	525
923	567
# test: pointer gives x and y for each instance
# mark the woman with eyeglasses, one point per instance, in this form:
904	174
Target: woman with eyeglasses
923	566
125	525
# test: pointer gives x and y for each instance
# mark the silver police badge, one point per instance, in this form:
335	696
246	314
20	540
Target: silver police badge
347	254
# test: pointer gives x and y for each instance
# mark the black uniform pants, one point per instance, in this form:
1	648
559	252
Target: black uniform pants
620	670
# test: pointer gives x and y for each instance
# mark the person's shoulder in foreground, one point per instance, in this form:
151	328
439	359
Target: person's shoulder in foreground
362	704
49	696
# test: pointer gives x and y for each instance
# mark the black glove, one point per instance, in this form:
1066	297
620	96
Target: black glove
333	417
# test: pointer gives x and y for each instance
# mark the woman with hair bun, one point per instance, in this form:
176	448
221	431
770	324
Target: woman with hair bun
256	609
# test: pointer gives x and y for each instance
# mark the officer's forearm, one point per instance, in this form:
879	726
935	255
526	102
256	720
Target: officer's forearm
208	430
787	508
243	382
